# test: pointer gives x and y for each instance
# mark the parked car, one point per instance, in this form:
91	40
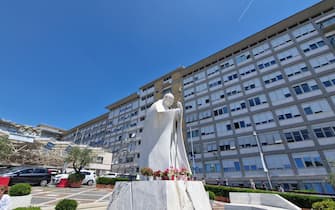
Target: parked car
89	177
111	175
33	175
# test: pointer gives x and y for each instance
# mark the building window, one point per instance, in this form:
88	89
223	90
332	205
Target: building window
204	101
316	107
189	92
223	128
277	96
262	49
252	85
263	118
237	106
220	111
191	118
303	31
321	61
266	63
242	123
226	145
288	54
278	162
270	138
252	164
199	77
227	64
215	83
234	91
233	76
205	115
212	167
281	41
306	87
231	165
243	57
211	147
201	88
213	70
325	23
247	71
328	81
217	96
188	81
297	70
312	45
246	142
195	133
258	100
272	78
189	106
324	132
307	161
297	135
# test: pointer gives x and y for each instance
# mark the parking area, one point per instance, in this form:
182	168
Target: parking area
49	196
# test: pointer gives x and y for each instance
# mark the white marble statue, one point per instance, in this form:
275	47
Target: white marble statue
162	144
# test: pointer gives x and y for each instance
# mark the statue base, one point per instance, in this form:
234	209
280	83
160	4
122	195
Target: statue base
159	195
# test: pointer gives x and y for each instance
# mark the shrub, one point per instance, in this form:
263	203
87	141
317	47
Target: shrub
324	205
28	208
147	171
303	201
20	189
110	181
66	204
76	177
211	195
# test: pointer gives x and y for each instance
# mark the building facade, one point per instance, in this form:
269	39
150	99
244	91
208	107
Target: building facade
271	94
274	92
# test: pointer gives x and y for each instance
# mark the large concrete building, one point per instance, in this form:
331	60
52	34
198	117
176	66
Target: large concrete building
271	94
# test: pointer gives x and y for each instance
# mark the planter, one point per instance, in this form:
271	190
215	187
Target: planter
20	201
75	184
222	199
104	186
151	178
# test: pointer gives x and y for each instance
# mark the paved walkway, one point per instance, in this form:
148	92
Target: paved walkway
87	197
50	196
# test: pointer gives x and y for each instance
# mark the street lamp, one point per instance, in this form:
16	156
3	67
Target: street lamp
192	150
262	158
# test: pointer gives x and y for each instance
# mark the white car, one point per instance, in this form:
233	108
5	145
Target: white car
111	175
89	177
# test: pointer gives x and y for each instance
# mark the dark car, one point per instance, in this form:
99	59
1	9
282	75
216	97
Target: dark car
33	175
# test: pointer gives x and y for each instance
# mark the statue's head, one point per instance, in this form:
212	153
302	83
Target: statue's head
168	99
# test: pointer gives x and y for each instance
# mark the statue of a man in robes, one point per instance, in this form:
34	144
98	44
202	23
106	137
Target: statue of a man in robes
162	141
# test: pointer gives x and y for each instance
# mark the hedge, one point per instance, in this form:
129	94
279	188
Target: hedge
110	181
28	208
303	201
67	204
20	189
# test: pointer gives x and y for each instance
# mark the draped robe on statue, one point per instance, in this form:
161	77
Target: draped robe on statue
162	140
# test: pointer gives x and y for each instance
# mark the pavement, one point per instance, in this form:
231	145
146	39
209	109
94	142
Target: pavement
48	197
88	197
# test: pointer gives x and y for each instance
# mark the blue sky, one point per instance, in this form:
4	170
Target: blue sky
62	62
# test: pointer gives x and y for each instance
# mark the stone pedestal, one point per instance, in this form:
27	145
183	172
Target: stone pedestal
159	195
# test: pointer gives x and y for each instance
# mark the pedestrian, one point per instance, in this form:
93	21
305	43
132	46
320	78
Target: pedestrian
4	198
203	181
252	184
281	189
264	186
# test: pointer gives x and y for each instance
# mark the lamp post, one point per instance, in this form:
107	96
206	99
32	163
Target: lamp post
192	150
262	159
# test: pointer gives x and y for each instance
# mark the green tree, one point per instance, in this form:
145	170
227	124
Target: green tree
5	148
79	158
